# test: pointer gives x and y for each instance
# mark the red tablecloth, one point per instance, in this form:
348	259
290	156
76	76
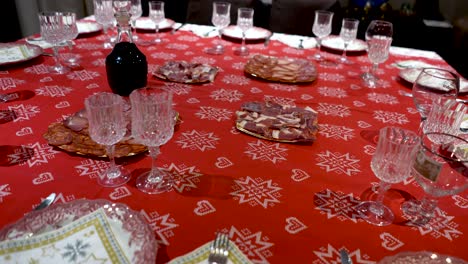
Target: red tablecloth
280	203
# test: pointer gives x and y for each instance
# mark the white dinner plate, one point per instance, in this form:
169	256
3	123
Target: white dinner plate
145	23
86	26
140	241
410	75
254	33
336	43
11	53
421	257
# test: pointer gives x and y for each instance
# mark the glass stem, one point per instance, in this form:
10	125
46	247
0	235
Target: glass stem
377	207
154	174
56	57
157	32
343	55
113	170
374	69
243	41
428	205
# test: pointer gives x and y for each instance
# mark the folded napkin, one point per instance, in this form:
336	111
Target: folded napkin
90	239
200	255
14	53
295	40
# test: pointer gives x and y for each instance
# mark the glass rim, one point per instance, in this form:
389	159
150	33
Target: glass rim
116	100
428	69
446	158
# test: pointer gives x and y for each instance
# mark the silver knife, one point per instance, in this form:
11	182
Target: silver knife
46	202
267	40
345	259
174	30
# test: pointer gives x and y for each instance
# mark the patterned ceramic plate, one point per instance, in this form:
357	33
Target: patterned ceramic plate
336	43
11	53
410	75
254	33
86	26
140	242
421	257
145	23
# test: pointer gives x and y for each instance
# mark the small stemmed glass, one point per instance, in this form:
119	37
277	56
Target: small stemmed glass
156	13
136	11
221	18
71	30
348	33
107	126
391	163
321	28
244	22
153	126
53	32
104	15
379	38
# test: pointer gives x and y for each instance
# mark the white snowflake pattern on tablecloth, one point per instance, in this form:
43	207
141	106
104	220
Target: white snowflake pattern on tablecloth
382	98
53	91
266	151
254	245
332	92
333	110
162	225
188	38
98	53
24	112
283	87
213	113
4	191
256	192
99	62
40	155
177	46
203	60
226	95
336	132
185	178
198	140
337	204
83	75
441	225
280	100
7	83
20	155
37	69
163	55
390	117
91	168
333	77
90	46
332	255
291	50
235	79
338	163
238	65
178	88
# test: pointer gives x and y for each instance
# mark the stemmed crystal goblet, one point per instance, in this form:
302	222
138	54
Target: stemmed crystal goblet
157	15
379	38
53	32
391	163
441	169
104	15
221	18
71	31
348	33
244	22
321	28
107	126
153	126
136	11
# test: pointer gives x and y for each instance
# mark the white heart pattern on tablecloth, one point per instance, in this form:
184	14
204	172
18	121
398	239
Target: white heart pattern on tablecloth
412	110
355	87
255	90
43	178
363	124
306	97
234	131
369	150
390	242
358	104
293	225
299	175
46	79
223	162
120	192
92	86
204	207
62	104
460	201
193	101
24	131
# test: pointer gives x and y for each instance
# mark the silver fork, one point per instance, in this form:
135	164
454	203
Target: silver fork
219	249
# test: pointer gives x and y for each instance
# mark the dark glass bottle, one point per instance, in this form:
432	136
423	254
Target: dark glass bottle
126	65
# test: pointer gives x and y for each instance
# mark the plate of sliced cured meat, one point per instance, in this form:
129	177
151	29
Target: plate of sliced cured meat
276	122
186	72
287	70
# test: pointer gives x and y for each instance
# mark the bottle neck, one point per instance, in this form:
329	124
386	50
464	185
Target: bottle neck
124	28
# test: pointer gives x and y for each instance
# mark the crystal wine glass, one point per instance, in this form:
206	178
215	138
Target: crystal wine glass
153	126
321	28
71	30
244	22
379	38
221	18
156	13
104	15
107	126
391	163
136	11
348	33
441	169
53	32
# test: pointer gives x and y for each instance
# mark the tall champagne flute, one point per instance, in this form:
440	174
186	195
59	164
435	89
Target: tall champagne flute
441	169
104	15
53	32
321	28
153	126
379	38
221	18
107	126
244	22
391	163
71	31
156	13
348	33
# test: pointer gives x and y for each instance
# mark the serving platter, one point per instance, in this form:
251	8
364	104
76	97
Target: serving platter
186	72
337	43
255	33
12	53
421	257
